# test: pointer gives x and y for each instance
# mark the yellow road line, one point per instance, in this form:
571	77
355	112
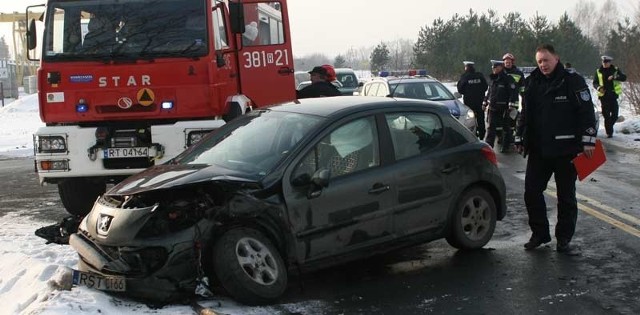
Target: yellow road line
613	211
621	225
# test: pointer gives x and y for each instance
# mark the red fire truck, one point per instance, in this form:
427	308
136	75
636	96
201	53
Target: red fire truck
126	84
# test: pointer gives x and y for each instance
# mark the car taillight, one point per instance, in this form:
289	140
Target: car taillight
490	155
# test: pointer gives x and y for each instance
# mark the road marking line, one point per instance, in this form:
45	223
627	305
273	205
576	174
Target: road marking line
613	211
621	225
625	227
595	213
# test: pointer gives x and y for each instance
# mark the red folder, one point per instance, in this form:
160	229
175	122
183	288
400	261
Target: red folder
585	166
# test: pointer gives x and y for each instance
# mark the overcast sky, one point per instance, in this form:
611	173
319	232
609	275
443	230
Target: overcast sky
332	27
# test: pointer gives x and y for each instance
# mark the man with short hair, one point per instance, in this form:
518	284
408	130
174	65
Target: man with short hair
472	85
321	86
556	123
607	83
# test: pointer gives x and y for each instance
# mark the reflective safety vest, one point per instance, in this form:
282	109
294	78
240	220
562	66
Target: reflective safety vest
617	86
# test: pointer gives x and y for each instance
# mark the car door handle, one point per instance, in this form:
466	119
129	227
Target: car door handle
448	169
378	189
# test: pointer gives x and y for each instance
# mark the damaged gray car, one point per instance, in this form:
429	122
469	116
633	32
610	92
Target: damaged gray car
291	188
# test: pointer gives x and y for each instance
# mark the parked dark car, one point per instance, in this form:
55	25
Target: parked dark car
300	186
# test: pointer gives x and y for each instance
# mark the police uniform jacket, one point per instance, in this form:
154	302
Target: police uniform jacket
502	91
318	89
557	118
518	77
612	89
473	86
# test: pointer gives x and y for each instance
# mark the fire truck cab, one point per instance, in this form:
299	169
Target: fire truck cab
127	84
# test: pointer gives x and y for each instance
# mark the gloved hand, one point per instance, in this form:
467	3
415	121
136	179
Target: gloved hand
484	105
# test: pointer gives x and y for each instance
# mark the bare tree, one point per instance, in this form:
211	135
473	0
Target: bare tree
584	15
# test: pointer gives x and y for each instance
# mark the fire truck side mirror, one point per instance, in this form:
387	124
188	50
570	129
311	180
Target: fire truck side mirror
236	16
31	35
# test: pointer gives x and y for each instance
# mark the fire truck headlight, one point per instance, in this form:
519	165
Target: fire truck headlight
167	105
51	144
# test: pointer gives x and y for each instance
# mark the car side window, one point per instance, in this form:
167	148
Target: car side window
350	148
413	133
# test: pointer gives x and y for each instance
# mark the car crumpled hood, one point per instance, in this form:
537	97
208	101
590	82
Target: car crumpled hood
167	176
453	106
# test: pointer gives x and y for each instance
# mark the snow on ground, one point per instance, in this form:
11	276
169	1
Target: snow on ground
31	271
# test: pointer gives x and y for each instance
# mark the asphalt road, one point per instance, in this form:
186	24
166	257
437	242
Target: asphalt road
434	278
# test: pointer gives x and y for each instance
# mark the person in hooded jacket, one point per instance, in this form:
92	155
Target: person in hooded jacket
473	86
556	123
321	85
607	82
501	96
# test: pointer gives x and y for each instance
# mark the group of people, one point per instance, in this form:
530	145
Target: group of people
557	122
500	98
322	83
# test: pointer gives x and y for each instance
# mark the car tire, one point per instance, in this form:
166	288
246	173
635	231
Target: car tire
473	220
79	194
249	267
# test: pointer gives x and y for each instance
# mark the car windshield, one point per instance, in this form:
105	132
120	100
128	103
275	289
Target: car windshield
131	29
433	91
347	79
253	144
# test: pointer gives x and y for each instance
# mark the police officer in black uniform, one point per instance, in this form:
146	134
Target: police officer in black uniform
473	86
320	85
557	122
502	94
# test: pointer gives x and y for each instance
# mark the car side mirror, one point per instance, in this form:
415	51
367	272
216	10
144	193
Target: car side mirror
321	177
301	180
457	94
319	180
360	84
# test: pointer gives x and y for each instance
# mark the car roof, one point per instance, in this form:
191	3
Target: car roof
344	70
344	105
411	79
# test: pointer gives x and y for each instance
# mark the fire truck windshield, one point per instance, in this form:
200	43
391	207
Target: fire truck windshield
132	29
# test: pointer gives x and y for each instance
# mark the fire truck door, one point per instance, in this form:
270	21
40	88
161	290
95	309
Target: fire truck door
265	59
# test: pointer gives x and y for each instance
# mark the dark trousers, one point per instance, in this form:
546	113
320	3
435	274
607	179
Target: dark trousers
609	112
499	122
480	128
539	170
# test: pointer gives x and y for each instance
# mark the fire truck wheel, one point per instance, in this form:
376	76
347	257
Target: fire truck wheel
79	194
234	111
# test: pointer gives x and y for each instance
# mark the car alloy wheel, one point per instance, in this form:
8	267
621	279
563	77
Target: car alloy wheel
474	220
257	261
249	267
